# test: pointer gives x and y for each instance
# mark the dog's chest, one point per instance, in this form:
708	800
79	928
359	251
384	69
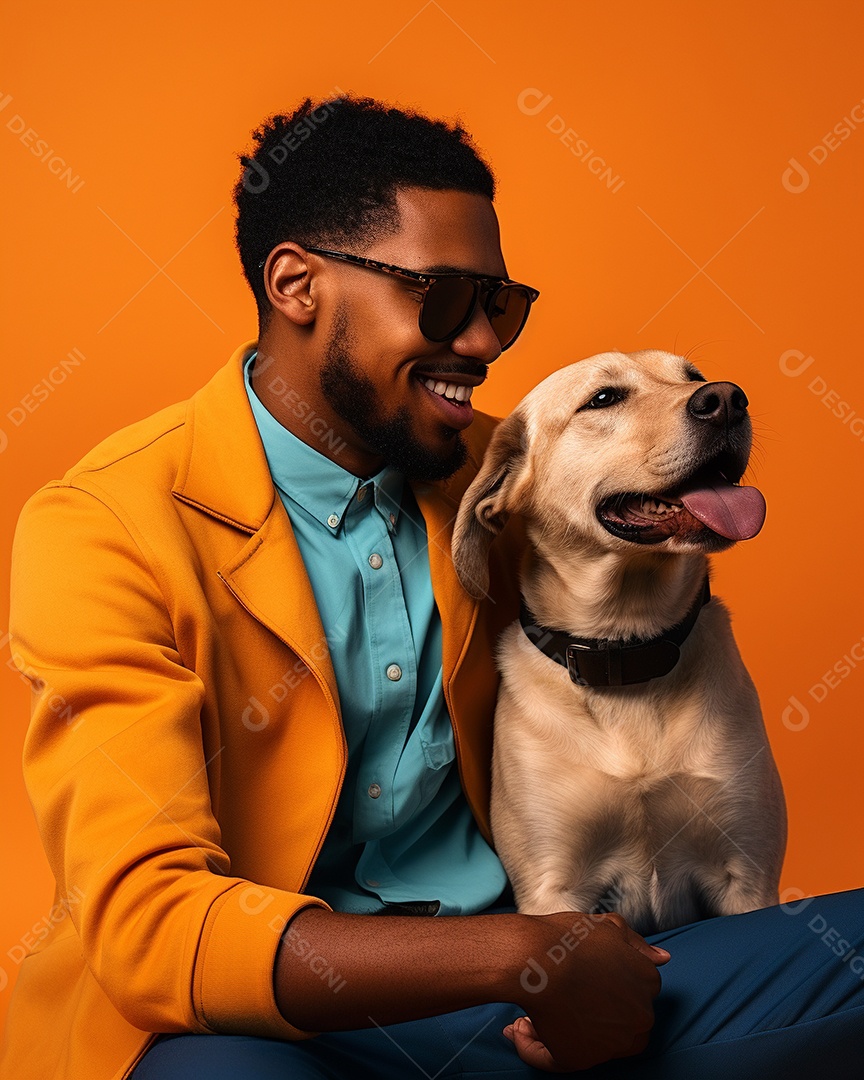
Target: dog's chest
641	733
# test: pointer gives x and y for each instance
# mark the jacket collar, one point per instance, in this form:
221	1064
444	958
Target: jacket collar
224	473
224	470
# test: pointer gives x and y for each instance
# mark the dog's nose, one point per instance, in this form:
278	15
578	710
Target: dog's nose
721	403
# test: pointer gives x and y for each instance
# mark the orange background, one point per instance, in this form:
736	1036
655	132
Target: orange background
698	244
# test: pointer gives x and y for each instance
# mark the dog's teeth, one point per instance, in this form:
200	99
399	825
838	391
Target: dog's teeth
651	507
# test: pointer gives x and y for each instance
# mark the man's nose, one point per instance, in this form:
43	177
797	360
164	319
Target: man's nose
478	339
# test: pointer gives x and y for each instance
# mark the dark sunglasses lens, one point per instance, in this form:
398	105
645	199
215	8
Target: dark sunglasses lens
508	311
447	308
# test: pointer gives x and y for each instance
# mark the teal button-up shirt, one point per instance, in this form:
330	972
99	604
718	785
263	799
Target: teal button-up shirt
403	830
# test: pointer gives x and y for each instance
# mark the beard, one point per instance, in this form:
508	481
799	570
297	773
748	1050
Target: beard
354	397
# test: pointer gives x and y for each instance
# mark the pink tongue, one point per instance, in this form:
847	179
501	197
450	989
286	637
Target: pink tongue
737	513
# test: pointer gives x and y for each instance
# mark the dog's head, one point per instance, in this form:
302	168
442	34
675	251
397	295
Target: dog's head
613	452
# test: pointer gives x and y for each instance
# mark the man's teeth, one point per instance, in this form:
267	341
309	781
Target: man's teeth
654	507
449	390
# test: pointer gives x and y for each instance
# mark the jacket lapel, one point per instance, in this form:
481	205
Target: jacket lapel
457	609
225	474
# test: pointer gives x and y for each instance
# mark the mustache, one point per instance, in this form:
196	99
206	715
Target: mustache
478	371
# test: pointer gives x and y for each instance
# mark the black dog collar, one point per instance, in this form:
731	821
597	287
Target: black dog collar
611	662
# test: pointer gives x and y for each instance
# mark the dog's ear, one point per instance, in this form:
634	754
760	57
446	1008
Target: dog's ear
492	496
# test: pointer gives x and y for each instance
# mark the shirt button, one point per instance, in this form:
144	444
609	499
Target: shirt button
333	520
374	791
394	673
375	561
361	494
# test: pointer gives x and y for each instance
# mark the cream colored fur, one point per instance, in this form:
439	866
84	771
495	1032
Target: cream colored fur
659	800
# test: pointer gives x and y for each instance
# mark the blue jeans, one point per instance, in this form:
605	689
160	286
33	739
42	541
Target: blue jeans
773	993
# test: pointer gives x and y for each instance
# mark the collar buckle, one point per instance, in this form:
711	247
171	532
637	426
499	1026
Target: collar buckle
573	663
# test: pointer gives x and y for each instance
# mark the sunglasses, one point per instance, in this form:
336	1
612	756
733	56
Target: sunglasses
450	300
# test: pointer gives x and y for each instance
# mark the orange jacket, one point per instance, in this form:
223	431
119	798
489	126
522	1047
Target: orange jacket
185	752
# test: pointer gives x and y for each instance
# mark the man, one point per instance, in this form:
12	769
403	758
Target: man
262	703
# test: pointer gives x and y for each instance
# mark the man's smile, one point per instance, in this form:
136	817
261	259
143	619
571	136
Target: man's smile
450	394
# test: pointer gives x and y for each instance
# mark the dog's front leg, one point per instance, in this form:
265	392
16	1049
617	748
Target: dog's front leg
552	821
753	842
745	884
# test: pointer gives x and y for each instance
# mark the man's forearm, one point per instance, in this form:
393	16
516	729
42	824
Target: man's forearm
394	968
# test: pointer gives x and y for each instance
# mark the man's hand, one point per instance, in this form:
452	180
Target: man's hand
589	988
587	980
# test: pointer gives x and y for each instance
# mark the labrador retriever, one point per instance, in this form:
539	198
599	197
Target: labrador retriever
631	769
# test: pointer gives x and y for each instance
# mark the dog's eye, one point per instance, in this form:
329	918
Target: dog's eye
609	395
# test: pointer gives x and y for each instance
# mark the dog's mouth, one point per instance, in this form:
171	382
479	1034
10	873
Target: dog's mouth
707	505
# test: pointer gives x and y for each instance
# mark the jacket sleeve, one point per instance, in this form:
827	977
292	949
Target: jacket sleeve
117	773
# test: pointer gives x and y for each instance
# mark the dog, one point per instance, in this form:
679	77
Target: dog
631	770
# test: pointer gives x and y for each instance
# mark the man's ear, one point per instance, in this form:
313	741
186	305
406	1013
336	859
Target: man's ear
287	280
498	490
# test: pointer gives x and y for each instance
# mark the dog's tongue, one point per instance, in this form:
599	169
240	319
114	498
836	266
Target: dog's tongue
737	513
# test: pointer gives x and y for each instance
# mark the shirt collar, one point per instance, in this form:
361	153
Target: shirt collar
312	480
